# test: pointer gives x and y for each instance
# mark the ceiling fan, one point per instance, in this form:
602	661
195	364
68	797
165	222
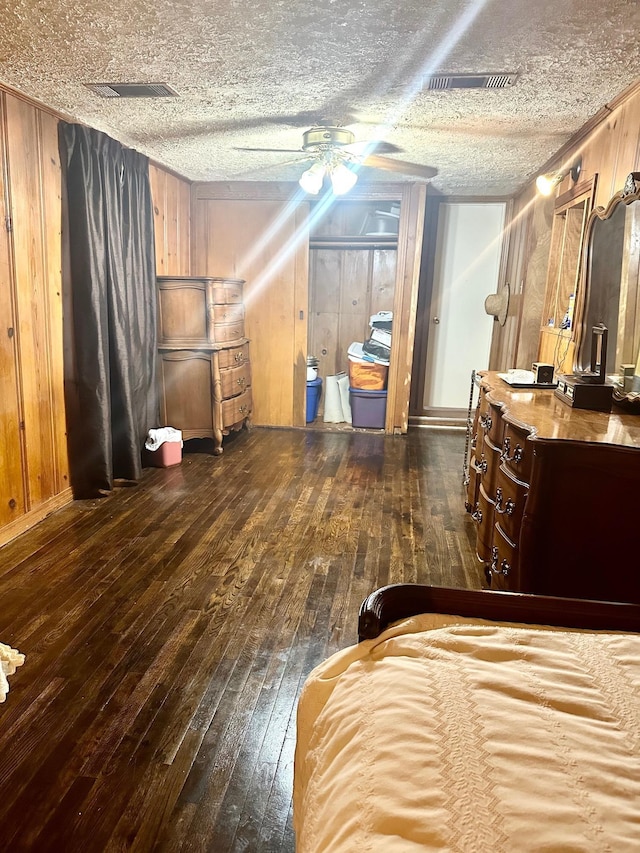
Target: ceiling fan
337	155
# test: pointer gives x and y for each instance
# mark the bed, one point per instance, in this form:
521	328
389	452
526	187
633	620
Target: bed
473	721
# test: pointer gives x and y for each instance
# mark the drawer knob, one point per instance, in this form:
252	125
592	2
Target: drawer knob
504	569
509	507
238	358
518	453
477	515
486	422
241	381
483	466
243	410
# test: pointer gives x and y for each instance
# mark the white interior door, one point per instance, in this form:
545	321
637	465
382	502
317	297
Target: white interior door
467	264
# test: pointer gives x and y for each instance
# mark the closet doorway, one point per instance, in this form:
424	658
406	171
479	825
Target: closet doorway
353	254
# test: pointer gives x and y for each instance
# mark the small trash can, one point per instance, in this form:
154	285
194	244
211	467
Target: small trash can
314	389
163	447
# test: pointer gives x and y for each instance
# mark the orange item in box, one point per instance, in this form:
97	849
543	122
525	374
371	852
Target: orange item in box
367	376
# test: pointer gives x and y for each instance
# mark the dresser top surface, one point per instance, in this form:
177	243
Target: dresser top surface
539	410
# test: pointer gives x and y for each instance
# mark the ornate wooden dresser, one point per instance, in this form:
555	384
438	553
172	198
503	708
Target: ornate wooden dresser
555	494
204	367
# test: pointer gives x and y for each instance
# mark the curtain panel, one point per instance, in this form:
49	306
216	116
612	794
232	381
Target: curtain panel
111	260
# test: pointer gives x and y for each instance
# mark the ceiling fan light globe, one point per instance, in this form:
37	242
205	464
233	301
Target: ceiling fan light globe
342	179
311	180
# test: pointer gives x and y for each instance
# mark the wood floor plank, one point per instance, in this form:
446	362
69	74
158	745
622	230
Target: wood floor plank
168	630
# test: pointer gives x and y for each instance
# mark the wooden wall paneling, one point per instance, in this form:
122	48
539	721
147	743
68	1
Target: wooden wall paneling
600	155
628	139
536	251
325	274
346	287
172	221
383	280
158	182
12	490
355	301
266	243
405	305
36	287
52	223
301	321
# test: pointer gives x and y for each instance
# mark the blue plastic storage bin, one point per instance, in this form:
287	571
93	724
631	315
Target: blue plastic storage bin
368	408
314	389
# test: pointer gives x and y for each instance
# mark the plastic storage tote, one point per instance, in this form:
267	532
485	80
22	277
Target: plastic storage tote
368	408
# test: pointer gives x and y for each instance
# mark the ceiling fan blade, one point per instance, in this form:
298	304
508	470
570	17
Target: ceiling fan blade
275	150
381	147
402	166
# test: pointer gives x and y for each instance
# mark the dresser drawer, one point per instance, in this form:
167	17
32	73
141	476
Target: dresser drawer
484	518
510	497
224	333
493	424
227	293
233	356
235	380
472	486
503	565
490	462
228	314
517	452
236	409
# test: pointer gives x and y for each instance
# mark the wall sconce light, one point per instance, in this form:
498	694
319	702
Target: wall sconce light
342	178
547	183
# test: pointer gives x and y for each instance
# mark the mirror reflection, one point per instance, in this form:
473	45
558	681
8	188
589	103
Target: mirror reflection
610	295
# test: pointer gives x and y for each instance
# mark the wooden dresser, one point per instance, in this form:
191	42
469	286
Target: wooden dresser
204	366
555	494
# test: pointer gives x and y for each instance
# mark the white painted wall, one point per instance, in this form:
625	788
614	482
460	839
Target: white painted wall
467	264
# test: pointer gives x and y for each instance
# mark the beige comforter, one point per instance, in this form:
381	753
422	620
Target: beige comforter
459	735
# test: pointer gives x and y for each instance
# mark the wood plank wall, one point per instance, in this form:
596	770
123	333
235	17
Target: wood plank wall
33	357
609	145
172	221
34	468
252	231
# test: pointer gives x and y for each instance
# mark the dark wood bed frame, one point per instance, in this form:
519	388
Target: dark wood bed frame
399	601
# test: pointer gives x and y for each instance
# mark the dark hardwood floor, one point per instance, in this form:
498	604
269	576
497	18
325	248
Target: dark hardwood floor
168	629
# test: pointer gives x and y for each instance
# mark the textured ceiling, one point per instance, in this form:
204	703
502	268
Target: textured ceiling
256	73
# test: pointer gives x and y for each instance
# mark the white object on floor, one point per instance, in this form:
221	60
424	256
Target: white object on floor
157	437
343	386
332	403
10	659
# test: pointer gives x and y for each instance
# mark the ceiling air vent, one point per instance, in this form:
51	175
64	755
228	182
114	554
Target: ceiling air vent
501	80
132	90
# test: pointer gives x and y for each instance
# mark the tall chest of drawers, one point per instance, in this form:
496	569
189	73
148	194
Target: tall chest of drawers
203	354
554	493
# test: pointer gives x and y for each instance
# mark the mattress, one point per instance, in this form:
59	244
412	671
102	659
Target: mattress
464	735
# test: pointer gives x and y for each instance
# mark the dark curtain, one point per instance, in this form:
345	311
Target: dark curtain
112	273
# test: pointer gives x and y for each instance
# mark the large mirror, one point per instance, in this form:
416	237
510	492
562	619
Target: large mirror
611	291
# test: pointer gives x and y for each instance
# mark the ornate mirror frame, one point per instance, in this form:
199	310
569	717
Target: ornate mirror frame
611	289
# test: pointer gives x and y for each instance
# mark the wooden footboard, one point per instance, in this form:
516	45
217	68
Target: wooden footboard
399	601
